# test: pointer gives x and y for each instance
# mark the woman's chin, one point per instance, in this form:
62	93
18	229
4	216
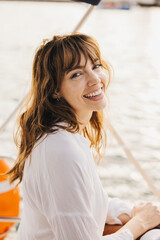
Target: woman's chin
102	105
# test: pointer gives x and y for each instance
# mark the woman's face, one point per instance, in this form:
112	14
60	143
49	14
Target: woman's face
83	88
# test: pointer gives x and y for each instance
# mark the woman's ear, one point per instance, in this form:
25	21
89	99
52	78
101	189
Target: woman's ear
56	95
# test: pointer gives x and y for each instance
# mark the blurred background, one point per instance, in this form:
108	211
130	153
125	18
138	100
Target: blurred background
129	36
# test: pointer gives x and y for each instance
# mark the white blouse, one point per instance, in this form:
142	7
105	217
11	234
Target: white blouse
62	193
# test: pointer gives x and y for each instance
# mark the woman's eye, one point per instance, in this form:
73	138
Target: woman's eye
75	75
97	66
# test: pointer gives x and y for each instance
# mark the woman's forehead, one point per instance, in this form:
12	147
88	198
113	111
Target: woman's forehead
85	60
81	60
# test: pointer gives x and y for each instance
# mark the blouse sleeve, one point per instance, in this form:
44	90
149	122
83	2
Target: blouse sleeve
65	194
115	208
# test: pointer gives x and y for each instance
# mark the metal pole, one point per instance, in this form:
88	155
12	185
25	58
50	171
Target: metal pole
10	219
90	10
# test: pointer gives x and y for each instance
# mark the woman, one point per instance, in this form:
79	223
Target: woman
59	130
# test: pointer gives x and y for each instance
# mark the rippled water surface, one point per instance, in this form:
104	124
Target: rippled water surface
130	41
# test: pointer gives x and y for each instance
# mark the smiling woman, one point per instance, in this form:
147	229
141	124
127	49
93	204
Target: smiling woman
58	132
87	83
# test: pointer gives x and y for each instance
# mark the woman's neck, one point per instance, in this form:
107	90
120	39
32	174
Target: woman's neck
82	125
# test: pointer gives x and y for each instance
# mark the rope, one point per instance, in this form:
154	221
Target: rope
134	161
12	114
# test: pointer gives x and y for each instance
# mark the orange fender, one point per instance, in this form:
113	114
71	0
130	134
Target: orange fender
9	198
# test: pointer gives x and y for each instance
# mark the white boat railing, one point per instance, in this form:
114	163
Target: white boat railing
10	219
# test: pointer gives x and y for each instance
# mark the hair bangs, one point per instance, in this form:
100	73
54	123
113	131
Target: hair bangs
74	49
92	51
71	56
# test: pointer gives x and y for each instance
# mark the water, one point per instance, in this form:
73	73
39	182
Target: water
130	41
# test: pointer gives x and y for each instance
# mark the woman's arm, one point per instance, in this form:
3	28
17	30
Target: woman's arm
116	209
109	229
145	217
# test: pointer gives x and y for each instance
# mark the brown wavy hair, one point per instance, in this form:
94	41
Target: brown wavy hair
43	112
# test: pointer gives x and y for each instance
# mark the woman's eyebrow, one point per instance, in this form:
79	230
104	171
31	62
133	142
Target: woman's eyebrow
75	67
81	66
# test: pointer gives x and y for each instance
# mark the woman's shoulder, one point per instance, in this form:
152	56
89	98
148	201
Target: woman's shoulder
63	144
55	138
60	138
60	148
57	152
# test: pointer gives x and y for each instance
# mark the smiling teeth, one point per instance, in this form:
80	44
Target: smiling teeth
94	94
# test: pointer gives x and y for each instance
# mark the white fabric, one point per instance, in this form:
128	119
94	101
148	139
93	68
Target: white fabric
62	192
151	235
115	208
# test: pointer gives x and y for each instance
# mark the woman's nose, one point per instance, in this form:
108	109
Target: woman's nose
93	79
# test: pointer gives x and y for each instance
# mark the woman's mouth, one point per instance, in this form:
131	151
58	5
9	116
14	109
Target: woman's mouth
94	94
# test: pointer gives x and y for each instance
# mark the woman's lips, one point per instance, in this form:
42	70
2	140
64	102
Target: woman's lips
96	95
